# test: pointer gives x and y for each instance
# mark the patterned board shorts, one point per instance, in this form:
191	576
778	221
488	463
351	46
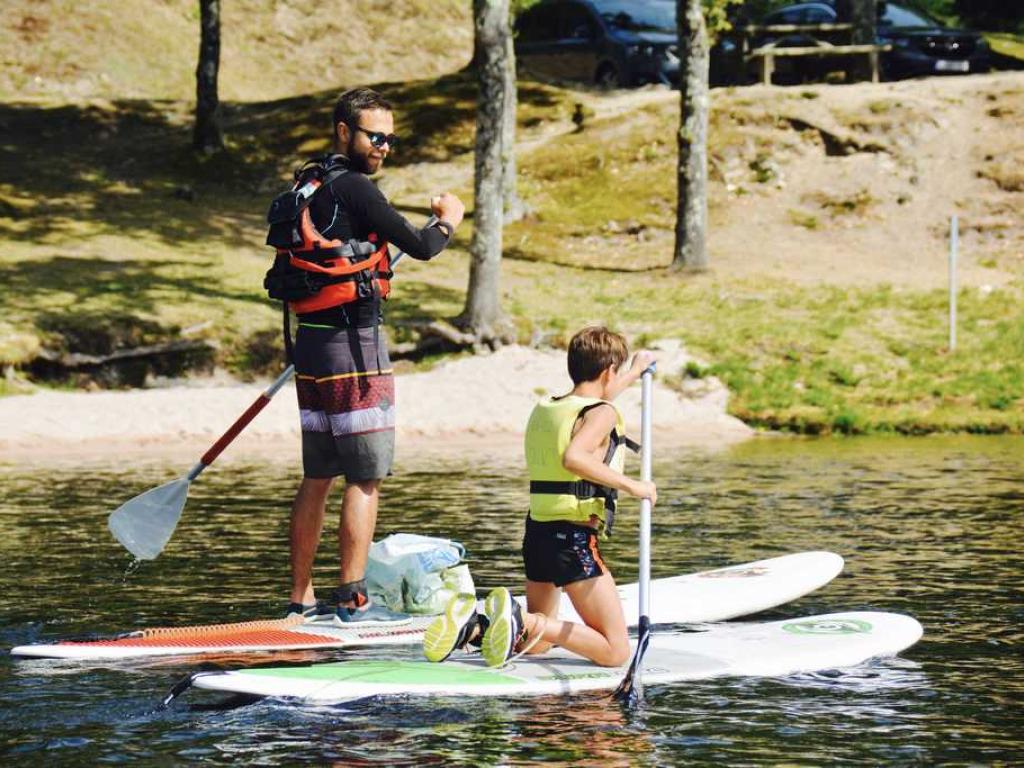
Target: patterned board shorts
346	392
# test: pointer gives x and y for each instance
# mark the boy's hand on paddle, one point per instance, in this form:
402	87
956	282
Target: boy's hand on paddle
448	207
644	490
642	360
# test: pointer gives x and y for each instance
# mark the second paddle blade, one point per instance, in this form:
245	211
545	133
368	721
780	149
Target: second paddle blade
145	524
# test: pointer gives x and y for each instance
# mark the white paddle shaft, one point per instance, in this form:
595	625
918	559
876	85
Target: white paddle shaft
647	384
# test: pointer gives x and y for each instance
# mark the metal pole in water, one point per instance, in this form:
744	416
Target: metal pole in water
954	243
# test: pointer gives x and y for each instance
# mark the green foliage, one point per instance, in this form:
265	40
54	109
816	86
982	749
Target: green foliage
695	370
1006	44
943	10
717	15
518	6
1005	15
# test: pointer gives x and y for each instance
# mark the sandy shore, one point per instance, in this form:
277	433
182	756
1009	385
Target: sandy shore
482	400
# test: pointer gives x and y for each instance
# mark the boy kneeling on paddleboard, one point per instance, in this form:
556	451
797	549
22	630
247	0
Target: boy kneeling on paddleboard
574	453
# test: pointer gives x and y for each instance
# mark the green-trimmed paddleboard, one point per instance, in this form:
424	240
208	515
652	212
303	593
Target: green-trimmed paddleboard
759	649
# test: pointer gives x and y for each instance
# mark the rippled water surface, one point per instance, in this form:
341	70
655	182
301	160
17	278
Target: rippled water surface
929	527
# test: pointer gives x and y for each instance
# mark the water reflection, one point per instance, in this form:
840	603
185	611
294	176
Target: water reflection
928	527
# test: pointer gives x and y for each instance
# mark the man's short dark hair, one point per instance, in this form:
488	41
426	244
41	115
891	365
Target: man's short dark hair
354	102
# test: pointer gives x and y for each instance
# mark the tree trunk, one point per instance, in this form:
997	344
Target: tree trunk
514	207
692	203
208	136
482	315
862	15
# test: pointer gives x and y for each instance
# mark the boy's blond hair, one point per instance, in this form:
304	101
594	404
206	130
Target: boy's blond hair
594	349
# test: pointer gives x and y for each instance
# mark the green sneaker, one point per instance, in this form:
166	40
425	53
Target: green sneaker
452	629
505	627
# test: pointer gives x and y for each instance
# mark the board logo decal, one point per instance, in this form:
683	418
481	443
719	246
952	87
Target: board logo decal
389	633
599	675
734	573
829	627
657	671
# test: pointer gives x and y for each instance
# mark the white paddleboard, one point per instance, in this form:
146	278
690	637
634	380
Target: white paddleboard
774	648
715	595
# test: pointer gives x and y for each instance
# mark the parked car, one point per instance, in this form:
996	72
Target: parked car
613	43
920	45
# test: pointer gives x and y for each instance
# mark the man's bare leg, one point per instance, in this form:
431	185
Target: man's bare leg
307	522
355	530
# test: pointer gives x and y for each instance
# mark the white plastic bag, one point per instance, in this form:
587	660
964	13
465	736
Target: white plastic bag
417	574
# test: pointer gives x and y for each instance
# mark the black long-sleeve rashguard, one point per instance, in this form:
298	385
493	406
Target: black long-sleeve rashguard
353	207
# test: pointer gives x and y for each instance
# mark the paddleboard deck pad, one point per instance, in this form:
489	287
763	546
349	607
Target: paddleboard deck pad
776	648
714	595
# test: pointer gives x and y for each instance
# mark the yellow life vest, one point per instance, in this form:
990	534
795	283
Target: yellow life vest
556	493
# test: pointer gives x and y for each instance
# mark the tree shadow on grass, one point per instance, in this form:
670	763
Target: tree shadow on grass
124	168
127	167
121	287
417	302
515	253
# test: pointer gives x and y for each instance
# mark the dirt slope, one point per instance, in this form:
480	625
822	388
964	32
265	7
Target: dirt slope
109	49
865	179
848	185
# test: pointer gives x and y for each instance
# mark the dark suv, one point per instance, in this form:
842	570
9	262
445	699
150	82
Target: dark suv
920	45
613	43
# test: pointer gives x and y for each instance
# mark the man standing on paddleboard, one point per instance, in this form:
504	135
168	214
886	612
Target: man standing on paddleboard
343	373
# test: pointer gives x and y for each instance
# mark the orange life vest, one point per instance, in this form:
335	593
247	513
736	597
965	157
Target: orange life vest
310	272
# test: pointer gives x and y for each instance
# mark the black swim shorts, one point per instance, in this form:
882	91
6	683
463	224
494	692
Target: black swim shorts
561	553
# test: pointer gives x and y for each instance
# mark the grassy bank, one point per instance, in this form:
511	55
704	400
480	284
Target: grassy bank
127	238
812	359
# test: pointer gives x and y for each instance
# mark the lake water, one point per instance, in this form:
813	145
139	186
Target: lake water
929	527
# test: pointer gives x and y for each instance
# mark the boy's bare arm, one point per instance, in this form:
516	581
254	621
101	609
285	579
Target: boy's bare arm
580	457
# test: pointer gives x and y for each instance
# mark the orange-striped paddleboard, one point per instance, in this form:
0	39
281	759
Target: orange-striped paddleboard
716	595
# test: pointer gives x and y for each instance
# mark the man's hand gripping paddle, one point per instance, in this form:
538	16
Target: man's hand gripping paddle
146	523
630	690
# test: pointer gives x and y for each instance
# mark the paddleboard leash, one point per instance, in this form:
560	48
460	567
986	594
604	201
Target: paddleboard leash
179	688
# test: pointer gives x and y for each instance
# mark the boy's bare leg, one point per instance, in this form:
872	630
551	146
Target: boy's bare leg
307	522
543	597
355	529
603	638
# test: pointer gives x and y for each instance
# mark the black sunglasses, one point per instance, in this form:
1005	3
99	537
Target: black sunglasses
378	138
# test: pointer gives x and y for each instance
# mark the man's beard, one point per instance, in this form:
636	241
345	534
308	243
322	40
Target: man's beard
356	161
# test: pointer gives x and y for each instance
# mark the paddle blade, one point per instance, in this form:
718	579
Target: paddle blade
630	690
144	524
